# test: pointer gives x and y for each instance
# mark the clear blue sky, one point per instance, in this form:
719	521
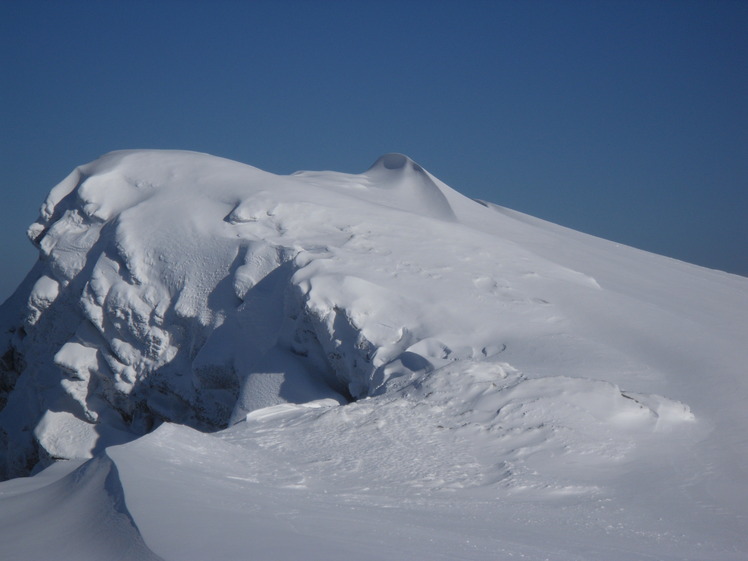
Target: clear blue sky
626	120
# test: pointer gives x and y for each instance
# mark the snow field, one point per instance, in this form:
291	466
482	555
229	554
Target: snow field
381	368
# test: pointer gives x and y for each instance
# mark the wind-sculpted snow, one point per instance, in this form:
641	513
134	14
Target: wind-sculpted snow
377	335
190	289
81	515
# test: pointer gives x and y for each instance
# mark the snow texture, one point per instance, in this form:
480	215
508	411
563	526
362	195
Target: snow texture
235	364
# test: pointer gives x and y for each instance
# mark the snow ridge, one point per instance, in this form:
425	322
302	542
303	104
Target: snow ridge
93	497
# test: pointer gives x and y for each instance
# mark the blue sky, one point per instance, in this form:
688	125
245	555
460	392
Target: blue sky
626	120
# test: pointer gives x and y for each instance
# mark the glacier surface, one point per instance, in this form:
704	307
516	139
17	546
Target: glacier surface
213	361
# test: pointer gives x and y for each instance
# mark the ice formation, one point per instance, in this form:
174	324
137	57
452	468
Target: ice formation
339	314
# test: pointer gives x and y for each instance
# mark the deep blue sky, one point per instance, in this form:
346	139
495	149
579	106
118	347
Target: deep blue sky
626	120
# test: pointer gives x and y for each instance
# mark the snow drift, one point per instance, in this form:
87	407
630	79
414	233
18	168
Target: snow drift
377	333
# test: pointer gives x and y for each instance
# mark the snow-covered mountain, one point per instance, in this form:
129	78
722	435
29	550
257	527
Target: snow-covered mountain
241	365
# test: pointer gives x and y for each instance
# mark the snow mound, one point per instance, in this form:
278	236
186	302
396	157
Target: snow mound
394	181
408	185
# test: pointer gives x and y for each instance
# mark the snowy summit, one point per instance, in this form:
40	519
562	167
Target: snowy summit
210	361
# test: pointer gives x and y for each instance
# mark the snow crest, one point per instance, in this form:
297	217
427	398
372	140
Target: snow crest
181	287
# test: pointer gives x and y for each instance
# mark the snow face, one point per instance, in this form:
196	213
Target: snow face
369	342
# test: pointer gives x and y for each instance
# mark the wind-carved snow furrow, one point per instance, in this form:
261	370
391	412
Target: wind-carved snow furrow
469	425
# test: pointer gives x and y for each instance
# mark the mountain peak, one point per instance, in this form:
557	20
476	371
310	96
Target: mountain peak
483	356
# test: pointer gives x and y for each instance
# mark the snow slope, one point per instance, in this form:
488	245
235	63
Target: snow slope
365	366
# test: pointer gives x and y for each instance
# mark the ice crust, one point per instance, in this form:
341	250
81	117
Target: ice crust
332	315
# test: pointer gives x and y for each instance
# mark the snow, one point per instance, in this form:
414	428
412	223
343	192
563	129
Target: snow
210	361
